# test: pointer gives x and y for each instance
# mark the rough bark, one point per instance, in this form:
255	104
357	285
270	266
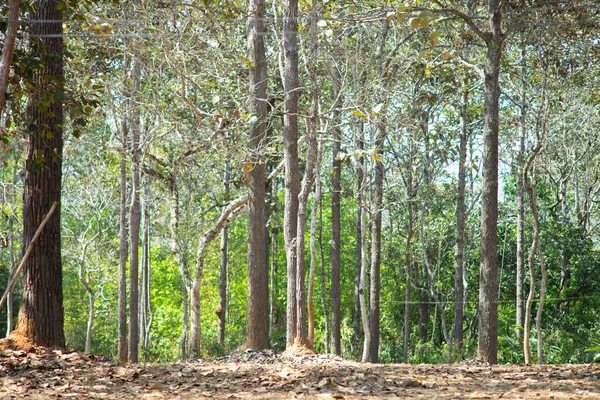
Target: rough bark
459	251
357	332
488	285
257	318
290	145
8	48
41	314
335	216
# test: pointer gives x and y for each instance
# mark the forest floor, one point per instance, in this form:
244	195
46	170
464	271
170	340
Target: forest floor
49	374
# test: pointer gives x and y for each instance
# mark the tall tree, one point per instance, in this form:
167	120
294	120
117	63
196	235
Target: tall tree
290	149
336	226
41	315
257	317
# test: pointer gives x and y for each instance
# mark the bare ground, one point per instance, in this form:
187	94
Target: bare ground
47	374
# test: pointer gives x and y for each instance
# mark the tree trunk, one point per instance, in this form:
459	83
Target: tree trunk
41	314
335	216
123	249
232	210
257	317
488	285
134	219
459	254
315	149
8	47
363	267
221	309
145	308
84	279
357	332
375	277
326	335
408	252
292	174
521	195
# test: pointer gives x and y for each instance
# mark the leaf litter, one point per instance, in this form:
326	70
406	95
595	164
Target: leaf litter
49	374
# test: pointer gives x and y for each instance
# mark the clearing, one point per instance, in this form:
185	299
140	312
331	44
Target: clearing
46	374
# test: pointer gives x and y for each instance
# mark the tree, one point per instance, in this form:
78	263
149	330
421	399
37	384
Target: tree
257	320
42	290
290	150
8	48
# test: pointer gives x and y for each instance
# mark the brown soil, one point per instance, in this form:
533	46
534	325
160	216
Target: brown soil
47	374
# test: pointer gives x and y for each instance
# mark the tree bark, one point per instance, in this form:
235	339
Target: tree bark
221	310
292	174
335	216
363	267
521	196
123	249
459	253
8	48
410	192
488	286
134	218
257	317
41	315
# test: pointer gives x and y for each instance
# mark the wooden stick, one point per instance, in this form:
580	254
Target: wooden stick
27	253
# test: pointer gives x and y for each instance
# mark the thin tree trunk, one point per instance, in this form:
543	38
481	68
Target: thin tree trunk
316	163
85	281
459	254
375	276
123	249
145	264
8	48
221	309
335	217
134	219
326	337
233	209
257	317
292	175
487	348
41	316
358	333
521	195
408	255
363	268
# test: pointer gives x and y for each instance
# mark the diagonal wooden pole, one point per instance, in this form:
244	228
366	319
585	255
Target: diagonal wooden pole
27	253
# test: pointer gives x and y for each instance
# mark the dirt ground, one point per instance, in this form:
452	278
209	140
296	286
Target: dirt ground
49	374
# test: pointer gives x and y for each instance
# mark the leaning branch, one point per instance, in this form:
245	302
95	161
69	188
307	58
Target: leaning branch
27	254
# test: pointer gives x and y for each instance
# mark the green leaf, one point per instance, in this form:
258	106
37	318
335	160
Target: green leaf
59	95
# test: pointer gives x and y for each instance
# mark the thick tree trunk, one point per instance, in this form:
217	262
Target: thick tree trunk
222	307
459	252
292	174
488	285
257	317
41	314
8	48
134	219
335	217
